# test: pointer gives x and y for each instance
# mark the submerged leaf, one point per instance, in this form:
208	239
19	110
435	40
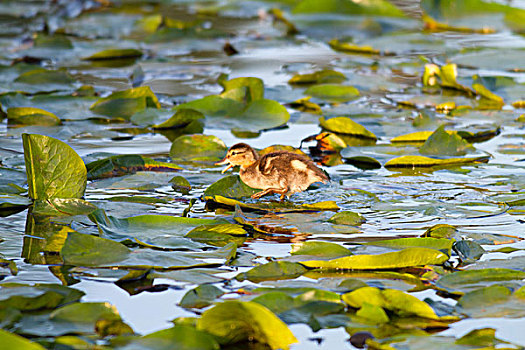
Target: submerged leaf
333	92
125	164
54	170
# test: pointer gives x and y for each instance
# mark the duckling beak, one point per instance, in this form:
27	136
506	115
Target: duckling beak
225	161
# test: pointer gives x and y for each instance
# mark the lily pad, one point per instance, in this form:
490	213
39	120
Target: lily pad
244	89
404	258
374	7
347	218
273	271
181	118
111	54
14	341
123	104
345	125
31	116
54	170
273	206
235	321
444	143
200	148
200	296
63	207
333	92
462	281
86	250
426	162
321	249
324	76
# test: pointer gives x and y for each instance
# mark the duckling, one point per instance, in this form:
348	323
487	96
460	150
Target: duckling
279	172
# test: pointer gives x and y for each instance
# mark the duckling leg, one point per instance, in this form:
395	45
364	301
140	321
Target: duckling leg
281	191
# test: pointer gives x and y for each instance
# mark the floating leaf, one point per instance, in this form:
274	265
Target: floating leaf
333	92
419	136
274	270
235	321
200	296
487	94
54	170
322	249
14	341
31	116
182	118
276	302
86	250
123	104
461	281
305	105
273	206
420	161
36	297
203	148
348	47
372	8
347	218
125	164
41	76
492	301
440	231
218	234
230	187
180	184
112	54
401	303
264	114
441	244
445	143
243	89
324	76
181	337
404	258
345	125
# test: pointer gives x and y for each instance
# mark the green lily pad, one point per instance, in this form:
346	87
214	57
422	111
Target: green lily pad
333	92
180	184
426	162
125	164
36	297
50	78
54	170
230	187
235	321
345	125
276	302
178	337
399	302
404	258
181	119
445	143
31	116
463	281
244	89
112	54
418	136
323	76
349	47
200	296
347	218
13	202
272	206
273	271
442	244
123	104
218	234
492	301
321	249
200	148
14	341
86	250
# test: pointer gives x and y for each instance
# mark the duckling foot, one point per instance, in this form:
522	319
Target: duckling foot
281	191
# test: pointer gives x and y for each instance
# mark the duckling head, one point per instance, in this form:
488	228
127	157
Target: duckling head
239	154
